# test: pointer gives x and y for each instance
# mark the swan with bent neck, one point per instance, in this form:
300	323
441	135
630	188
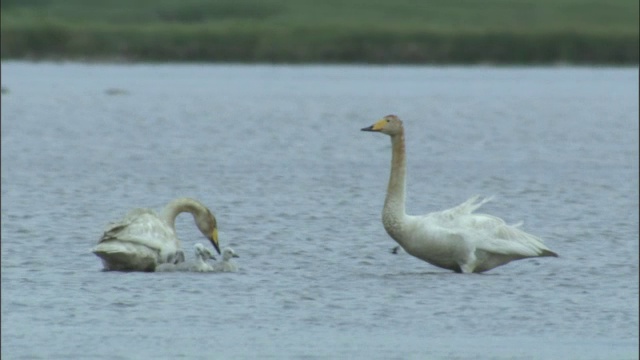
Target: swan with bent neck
456	239
143	239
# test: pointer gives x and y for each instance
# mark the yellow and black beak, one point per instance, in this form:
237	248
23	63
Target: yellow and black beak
375	127
214	239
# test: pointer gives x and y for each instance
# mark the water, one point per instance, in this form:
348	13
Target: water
276	153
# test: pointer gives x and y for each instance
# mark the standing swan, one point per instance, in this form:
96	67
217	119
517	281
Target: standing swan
456	238
143	239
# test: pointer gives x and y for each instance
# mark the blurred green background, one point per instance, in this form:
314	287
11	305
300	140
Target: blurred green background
324	31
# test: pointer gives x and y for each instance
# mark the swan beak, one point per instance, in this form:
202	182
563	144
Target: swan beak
375	127
214	239
235	255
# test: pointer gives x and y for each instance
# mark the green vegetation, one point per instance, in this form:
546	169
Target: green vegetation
345	31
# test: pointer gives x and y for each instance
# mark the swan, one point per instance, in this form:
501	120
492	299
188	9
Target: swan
144	239
226	265
199	265
456	239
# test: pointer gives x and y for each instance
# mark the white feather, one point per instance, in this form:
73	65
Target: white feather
457	238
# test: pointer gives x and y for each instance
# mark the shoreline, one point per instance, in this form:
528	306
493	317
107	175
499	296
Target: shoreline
418	48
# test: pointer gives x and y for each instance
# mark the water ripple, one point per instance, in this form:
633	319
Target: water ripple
299	197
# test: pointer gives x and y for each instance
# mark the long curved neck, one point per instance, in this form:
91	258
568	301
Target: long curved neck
394	203
180	205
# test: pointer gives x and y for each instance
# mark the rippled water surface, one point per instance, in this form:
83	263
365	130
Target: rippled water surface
277	153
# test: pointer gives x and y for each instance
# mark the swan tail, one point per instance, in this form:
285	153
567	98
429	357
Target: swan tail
528	245
547	252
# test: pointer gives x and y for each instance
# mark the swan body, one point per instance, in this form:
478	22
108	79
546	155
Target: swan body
199	265
226	265
144	239
457	239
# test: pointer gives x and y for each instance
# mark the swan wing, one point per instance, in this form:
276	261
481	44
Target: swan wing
436	240
144	228
138	242
493	235
459	239
465	208
510	240
487	232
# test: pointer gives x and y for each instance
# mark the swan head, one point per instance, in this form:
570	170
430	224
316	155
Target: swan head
390	125
228	253
208	227
203	253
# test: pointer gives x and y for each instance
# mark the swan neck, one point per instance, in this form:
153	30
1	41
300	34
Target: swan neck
178	206
394	203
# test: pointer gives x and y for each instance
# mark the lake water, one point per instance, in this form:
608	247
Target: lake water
277	153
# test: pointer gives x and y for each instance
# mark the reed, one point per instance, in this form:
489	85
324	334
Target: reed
306	31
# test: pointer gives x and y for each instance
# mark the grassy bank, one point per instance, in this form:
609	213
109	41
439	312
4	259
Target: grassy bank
302	31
